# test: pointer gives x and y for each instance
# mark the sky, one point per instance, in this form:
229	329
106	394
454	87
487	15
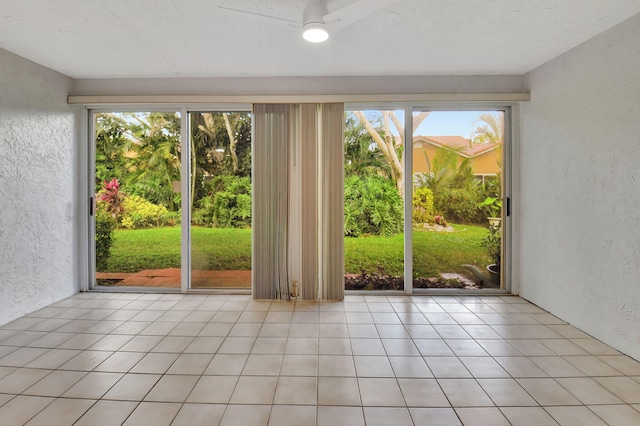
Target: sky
447	123
450	123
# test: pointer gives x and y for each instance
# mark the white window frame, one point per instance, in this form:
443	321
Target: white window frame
509	103
185	228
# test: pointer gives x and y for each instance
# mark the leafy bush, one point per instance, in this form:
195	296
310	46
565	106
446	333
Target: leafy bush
422	205
372	205
493	243
140	213
105	225
456	192
173	218
461	206
228	204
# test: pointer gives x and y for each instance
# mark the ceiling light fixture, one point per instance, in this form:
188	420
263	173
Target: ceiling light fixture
314	28
316	19
315	32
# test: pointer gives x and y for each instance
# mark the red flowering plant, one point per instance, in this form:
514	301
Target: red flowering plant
111	197
439	220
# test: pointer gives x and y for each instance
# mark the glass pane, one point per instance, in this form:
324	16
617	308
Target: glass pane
137	199
457	199
221	200
373	200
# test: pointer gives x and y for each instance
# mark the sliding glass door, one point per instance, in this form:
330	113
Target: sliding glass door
457	199
140	193
447	226
374	199
425	200
220	194
136	201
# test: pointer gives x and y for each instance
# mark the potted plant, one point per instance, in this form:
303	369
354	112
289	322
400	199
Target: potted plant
493	244
493	208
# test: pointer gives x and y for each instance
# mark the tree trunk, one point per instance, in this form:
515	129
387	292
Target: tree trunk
232	141
387	147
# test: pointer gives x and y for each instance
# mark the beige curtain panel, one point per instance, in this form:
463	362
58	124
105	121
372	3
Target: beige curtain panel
298	201
331	175
271	139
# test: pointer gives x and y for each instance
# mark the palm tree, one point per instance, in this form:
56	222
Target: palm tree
489	129
454	187
111	145
361	155
154	161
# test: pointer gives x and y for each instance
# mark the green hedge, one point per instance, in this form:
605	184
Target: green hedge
372	206
140	213
227	205
105	226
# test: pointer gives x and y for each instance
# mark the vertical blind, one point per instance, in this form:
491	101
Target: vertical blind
270	201
308	200
298	201
331	140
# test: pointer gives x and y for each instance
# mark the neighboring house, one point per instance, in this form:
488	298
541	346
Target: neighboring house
485	157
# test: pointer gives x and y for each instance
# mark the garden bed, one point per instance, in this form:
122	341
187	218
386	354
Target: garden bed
392	282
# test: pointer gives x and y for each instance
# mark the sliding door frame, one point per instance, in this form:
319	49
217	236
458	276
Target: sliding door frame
509	104
185	169
509	249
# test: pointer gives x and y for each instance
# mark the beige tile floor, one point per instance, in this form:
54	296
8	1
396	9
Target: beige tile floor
160	359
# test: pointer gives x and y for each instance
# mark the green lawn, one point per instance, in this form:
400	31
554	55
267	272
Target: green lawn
135	250
434	252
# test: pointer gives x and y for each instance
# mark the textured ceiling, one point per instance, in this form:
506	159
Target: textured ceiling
195	38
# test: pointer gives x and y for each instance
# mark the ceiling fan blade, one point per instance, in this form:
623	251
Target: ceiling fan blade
260	15
355	11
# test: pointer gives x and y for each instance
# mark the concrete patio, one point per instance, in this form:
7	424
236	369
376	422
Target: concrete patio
170	278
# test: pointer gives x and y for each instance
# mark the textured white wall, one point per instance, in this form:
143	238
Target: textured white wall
37	186
580	187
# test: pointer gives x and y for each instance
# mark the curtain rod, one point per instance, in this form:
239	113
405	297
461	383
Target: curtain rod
96	100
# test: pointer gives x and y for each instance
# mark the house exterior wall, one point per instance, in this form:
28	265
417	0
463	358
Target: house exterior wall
579	240
484	164
487	163
38	221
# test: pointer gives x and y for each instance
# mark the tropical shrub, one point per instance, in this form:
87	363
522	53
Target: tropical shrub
422	205
491	206
173	218
493	243
462	207
105	225
372	205
227	205
231	210
140	213
456	192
